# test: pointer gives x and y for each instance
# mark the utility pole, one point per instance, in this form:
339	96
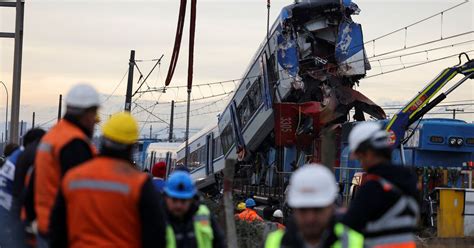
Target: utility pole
151	130
170	137
19	5
454	110
60	106
128	96
33	121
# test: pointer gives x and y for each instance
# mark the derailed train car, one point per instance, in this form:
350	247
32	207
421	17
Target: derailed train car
300	81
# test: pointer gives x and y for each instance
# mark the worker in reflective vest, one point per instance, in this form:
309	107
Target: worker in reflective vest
66	145
311	195
106	202
385	208
190	224
278	219
249	214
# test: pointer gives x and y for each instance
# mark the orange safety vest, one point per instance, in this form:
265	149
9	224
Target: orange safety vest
102	199
48	168
249	215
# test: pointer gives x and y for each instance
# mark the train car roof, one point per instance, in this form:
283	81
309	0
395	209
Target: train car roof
202	132
165	145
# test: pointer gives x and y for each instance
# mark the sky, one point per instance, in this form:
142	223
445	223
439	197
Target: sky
66	42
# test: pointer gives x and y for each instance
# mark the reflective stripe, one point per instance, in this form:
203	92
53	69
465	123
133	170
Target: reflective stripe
389	239
345	237
45	147
99	185
392	219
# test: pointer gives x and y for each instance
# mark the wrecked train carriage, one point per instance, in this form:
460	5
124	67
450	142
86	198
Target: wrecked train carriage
313	53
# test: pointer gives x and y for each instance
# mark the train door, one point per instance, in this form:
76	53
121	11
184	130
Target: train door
209	154
168	161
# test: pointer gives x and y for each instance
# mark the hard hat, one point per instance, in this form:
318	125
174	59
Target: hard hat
250	203
241	206
312	186
82	96
180	185
371	131
121	128
278	214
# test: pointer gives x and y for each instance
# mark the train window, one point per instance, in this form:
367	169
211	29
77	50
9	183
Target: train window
217	148
250	103
273	75
470	141
202	155
244	111
227	138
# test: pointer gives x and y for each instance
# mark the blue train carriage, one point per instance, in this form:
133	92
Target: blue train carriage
438	143
431	144
206	159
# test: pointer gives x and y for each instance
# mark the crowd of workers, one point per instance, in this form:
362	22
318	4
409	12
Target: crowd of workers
58	190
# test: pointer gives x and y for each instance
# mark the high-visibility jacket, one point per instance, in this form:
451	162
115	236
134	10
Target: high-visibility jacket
102	203
202	230
394	229
250	215
346	238
48	168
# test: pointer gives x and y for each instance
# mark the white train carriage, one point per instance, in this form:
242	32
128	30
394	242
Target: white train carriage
205	156
161	152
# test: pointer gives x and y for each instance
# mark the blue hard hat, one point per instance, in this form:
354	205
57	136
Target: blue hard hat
250	203
180	185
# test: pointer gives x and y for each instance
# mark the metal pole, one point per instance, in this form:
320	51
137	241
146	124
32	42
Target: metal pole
33	121
151	130
170	137
186	135
128	96
6	112
60	106
16	88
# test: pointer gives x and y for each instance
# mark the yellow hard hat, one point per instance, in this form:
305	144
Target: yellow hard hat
121	128
241	206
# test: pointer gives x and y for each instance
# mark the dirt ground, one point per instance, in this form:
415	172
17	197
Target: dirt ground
446	242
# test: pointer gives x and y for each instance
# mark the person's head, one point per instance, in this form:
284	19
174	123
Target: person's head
159	170
33	135
250	203
370	144
240	207
311	195
278	216
82	102
9	149
119	135
179	193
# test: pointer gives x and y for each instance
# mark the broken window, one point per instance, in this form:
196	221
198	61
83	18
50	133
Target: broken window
227	138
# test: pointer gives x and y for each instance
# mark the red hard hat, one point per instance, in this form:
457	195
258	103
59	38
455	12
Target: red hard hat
159	170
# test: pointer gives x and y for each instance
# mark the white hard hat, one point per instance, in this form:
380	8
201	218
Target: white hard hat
368	131
278	214
312	186
82	96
